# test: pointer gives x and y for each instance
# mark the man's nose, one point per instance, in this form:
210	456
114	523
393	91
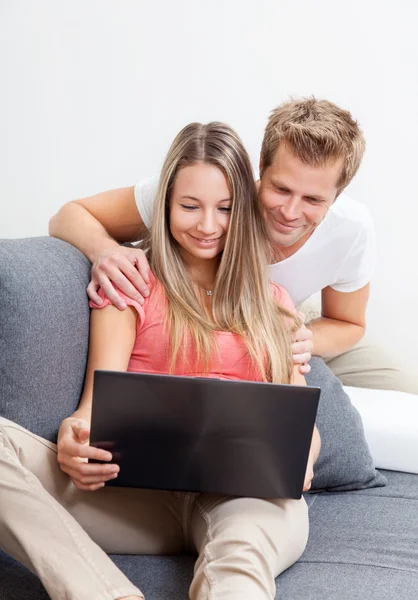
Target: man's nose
291	210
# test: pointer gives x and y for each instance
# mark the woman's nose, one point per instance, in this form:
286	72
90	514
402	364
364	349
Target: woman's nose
207	223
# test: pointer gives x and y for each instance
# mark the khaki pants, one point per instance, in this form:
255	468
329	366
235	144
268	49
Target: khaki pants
367	365
63	534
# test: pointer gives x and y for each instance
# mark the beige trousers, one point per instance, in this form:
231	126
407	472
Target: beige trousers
368	365
63	534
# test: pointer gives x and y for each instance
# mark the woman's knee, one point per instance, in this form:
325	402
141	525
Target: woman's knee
278	535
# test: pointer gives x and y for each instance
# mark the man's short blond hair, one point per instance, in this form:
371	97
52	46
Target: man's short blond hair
318	132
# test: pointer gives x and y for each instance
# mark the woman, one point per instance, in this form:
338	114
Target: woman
210	312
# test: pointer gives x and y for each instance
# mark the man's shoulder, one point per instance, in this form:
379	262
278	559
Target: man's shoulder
145	192
347	210
147	186
348	223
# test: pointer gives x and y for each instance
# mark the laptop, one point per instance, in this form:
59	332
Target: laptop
237	438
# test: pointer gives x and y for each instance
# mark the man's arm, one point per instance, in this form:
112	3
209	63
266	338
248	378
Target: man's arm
343	321
96	225
99	222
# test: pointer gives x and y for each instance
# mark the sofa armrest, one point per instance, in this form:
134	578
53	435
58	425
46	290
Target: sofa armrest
44	325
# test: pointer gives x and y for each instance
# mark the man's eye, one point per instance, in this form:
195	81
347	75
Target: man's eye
188	206
282	190
313	200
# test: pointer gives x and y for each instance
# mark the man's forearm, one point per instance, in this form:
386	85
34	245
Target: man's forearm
332	337
75	225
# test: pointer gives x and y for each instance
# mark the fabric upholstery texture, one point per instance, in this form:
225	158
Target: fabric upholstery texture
44	324
363	544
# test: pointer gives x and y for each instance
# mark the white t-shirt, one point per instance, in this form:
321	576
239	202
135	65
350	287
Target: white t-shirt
340	252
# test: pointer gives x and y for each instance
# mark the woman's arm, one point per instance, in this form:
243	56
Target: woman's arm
112	338
315	448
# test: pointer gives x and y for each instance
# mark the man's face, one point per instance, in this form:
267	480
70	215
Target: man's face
295	197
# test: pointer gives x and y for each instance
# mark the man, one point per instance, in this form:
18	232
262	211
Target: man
323	241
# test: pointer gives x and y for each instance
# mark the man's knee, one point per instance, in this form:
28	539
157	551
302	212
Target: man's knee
368	365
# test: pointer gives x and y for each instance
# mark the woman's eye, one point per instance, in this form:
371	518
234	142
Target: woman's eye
188	206
226	209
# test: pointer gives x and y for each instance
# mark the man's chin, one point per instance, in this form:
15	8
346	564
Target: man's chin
286	240
282	240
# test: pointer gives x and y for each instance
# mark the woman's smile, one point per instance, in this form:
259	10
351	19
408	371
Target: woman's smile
206	242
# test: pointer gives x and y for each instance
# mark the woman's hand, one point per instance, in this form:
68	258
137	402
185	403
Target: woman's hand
302	347
127	269
74	452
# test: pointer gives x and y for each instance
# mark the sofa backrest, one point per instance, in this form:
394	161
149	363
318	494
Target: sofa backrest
44	326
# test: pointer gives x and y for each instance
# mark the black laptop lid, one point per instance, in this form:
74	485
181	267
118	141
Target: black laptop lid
204	435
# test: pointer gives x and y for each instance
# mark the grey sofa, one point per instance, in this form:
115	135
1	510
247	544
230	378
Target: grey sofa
362	544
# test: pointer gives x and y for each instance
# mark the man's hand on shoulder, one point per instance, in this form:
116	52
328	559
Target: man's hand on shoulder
302	347
126	268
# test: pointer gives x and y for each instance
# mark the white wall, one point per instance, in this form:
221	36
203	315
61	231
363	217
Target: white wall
92	92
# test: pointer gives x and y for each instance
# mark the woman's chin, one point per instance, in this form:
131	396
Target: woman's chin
201	254
206	254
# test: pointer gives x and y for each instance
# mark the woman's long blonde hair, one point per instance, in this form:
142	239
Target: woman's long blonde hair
243	301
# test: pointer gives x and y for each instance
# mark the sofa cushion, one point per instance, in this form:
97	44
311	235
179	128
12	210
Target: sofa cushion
345	462
390	421
362	544
44	324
